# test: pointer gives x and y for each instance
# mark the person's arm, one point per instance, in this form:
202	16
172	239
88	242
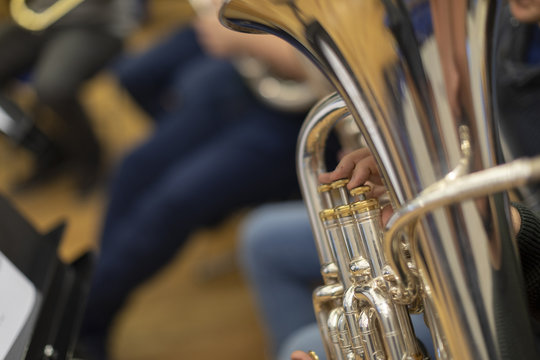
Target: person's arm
525	11
528	241
276	53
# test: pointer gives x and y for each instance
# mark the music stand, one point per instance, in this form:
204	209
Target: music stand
51	323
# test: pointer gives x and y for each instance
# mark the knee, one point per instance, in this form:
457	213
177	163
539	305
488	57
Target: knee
272	232
255	241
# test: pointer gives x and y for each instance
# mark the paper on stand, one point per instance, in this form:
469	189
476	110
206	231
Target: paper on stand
17	299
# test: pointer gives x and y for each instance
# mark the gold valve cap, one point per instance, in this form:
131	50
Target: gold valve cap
327	214
339	183
365	205
360	190
344	210
324	188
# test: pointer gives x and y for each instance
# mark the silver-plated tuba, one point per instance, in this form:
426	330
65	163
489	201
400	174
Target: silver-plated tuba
414	76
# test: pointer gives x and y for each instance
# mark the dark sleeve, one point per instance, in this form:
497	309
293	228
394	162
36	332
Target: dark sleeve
528	239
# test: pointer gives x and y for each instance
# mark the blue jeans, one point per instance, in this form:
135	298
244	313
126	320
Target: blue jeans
150	78
280	262
220	150
306	338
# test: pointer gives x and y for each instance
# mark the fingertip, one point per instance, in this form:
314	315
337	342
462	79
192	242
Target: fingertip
299	355
359	177
326	177
323	178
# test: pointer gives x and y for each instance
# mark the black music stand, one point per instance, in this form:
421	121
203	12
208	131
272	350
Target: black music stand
50	330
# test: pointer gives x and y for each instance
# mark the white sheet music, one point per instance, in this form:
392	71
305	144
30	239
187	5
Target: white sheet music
6	123
17	298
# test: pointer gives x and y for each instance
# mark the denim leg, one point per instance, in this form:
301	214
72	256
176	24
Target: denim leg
306	338
216	85
246	164
68	59
148	77
280	262
422	333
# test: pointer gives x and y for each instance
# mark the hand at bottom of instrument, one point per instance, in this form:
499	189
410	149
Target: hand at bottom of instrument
301	355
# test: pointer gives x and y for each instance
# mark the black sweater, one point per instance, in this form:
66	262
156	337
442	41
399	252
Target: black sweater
528	239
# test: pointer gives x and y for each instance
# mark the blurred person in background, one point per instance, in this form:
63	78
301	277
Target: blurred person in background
217	147
57	61
516	69
280	263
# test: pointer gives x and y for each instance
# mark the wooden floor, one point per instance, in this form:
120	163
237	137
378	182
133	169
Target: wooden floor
196	308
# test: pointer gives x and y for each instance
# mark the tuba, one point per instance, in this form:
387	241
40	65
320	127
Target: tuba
447	251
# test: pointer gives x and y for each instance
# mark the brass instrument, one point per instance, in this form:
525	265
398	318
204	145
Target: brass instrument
37	20
447	251
277	92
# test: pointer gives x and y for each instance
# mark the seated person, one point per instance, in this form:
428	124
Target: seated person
217	150
281	265
60	59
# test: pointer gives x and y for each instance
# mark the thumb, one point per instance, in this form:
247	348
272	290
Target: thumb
300	355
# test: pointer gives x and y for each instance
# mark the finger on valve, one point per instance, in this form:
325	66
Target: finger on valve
301	355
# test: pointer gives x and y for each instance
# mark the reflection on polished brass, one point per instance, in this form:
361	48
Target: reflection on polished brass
441	252
36	20
313	355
